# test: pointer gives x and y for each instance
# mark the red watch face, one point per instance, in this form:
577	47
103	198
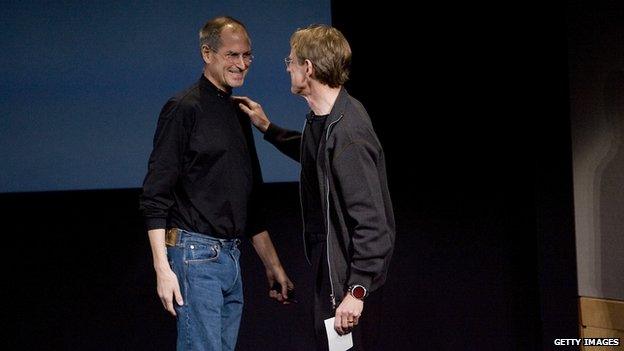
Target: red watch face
358	292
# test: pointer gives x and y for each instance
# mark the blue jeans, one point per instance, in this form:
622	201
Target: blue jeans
208	272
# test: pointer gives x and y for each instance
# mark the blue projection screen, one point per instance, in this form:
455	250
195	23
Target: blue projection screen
82	84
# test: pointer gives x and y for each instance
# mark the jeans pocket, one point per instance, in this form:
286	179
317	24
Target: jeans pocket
236	252
202	252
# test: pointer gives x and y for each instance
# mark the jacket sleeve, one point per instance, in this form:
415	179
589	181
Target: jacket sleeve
165	164
359	186
286	141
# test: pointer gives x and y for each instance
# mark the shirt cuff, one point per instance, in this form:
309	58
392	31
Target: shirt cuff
155	223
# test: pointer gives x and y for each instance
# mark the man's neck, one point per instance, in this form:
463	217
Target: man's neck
322	98
214	81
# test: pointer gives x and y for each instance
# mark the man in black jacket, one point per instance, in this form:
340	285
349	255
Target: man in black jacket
348	220
200	195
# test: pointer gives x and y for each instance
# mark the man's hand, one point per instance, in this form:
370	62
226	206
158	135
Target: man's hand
254	111
277	274
348	314
167	284
168	289
274	270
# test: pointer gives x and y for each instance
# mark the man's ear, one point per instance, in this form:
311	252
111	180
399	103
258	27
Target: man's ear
309	70
206	53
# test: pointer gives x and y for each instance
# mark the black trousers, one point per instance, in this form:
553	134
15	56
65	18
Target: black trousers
366	333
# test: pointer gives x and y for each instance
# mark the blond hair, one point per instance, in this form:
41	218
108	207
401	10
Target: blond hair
327	49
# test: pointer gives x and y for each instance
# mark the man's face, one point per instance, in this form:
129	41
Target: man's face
226	68
298	79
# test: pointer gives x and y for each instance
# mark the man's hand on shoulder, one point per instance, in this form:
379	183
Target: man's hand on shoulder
254	111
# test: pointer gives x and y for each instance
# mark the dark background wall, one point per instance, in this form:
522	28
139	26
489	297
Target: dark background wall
470	103
478	143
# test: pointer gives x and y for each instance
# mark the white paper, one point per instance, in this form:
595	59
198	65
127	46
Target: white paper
335	341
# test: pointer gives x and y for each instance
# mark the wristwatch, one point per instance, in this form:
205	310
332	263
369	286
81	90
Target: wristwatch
358	291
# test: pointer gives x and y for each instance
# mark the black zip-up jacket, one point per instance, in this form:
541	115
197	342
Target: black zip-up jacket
352	179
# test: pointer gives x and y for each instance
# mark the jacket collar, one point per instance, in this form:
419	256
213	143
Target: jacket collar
339	107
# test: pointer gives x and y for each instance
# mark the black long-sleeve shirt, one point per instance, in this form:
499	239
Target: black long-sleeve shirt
203	173
315	223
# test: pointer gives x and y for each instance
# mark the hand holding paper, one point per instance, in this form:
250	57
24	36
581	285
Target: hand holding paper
335	341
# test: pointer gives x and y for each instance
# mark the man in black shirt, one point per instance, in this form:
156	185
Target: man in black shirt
347	213
201	194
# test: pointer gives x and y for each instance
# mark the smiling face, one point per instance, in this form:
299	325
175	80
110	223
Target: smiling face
226	67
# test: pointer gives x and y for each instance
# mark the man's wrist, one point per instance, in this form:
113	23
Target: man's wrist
161	265
265	126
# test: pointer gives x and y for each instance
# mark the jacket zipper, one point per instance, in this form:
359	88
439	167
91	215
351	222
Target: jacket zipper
331	283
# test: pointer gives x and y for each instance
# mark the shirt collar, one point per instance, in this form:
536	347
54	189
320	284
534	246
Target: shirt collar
207	85
311	117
